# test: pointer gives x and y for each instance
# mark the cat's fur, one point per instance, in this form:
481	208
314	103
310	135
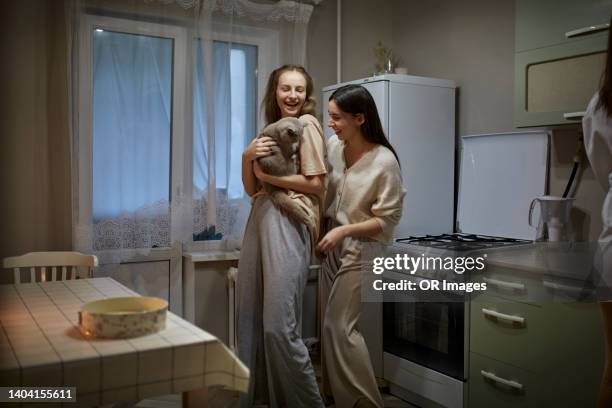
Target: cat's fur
287	133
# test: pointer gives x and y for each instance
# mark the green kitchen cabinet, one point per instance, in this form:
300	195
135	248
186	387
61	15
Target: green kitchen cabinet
493	383
522	339
559	59
532	352
544	23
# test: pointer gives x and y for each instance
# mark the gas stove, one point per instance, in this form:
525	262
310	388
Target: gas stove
426	338
461	241
437	249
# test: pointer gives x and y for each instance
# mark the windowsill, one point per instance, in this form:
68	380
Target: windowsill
213	245
209	251
211	255
130	255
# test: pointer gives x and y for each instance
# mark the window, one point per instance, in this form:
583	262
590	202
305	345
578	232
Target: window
132	106
147	143
235	85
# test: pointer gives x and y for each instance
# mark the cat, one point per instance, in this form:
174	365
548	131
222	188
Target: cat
287	133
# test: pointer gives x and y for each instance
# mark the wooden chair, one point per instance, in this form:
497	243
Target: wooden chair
63	265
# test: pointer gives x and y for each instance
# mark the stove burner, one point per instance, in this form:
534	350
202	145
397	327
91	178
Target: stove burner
461	241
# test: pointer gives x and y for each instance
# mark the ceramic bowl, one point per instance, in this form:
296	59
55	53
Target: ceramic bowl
123	317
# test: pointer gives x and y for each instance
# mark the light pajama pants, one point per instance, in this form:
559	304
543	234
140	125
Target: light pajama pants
347	369
272	275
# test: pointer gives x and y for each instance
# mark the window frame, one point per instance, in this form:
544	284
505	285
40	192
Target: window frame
84	143
267	42
85	124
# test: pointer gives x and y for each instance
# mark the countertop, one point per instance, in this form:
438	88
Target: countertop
567	260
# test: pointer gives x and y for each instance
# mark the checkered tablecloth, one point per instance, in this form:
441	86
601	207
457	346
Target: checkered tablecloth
40	345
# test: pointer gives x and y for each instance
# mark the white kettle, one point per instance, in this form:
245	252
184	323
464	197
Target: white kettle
555	222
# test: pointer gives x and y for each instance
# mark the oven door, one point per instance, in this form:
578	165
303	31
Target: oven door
428	333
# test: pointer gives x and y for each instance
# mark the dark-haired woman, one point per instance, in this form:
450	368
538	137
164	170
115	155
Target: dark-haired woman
275	255
365	195
597	129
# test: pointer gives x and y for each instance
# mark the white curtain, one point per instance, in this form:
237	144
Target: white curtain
165	96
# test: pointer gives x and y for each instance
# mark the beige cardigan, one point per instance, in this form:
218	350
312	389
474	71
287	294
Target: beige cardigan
371	188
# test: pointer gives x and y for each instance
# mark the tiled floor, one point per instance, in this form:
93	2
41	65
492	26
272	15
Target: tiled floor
174	401
394	402
389	400
166	401
230	400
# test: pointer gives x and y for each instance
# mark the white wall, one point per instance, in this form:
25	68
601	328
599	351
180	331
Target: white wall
468	41
321	49
35	209
364	23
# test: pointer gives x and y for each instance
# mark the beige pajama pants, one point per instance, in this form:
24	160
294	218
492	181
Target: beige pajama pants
347	369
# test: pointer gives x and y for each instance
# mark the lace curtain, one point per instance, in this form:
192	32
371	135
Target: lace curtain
165	96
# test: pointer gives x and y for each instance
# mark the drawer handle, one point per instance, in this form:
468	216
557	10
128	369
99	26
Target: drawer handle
503	316
559	286
505	285
587	30
573	115
510	383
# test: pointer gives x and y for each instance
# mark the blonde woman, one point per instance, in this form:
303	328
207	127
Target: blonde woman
276	253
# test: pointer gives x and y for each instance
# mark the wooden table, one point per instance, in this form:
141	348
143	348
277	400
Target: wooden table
40	345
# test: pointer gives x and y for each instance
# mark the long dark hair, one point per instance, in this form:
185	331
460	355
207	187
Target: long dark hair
355	99
605	92
269	104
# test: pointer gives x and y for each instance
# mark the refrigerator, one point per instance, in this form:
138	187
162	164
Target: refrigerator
418	117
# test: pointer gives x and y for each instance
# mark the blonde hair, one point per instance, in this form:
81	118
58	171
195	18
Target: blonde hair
270	105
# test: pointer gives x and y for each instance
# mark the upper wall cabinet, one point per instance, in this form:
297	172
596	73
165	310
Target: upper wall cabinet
559	58
542	23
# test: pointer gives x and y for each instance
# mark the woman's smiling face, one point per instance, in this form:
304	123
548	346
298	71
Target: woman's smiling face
345	125
291	93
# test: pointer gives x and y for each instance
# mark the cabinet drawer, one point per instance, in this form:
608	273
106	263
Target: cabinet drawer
554	339
516	333
574	383
510	286
495	384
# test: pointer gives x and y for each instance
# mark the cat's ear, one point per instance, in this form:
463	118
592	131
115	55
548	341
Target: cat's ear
303	121
269	130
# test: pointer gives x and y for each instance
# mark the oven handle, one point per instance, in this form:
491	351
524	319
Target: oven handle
510	383
503	316
505	285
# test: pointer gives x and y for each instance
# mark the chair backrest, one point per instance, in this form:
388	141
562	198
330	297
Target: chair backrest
63	265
